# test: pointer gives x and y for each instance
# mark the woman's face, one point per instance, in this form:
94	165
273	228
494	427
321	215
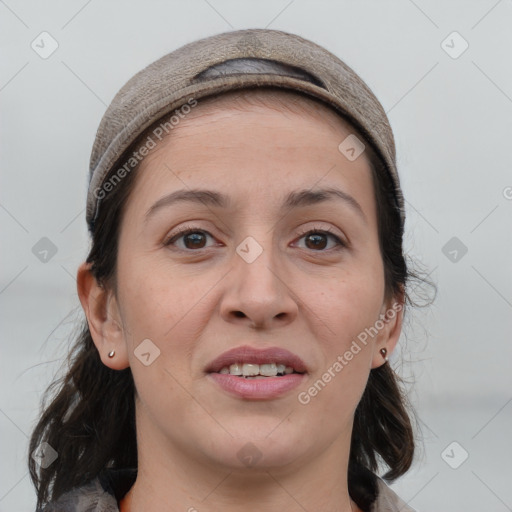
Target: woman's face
248	276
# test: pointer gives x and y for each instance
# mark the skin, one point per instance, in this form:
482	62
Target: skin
196	303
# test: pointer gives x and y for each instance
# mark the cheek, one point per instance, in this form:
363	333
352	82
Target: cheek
346	311
347	308
158	307
170	309
155	297
349	303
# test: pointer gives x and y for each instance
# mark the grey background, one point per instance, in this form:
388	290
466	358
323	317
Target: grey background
452	119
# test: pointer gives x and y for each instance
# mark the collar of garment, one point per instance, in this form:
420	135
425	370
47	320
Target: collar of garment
105	492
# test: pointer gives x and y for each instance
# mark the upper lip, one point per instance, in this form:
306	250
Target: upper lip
247	354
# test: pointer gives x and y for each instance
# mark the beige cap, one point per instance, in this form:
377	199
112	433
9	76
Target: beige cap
195	71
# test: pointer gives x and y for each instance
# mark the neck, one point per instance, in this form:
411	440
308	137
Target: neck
171	479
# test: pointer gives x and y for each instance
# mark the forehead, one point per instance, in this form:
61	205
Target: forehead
252	141
263	106
284	101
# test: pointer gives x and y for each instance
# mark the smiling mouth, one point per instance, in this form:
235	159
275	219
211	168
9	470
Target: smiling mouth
276	370
257	371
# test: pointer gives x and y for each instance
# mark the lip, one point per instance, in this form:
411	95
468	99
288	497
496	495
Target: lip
257	389
247	354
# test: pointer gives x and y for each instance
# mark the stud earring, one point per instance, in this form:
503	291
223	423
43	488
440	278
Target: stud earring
384	352
111	354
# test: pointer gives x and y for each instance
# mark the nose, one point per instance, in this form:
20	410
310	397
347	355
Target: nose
259	292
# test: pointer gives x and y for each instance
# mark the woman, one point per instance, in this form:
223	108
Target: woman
245	287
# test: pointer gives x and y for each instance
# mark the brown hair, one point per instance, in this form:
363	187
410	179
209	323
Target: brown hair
90	420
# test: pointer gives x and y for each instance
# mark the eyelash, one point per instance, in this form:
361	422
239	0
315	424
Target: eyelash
188	230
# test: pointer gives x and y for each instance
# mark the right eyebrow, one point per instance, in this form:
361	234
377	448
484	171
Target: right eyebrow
208	197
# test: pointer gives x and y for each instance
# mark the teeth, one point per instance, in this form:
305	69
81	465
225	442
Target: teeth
249	370
268	370
235	369
257	370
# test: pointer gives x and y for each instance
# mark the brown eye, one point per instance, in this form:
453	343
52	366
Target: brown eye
317	240
192	239
195	239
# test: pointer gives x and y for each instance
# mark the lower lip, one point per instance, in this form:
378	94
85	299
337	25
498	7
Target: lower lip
257	389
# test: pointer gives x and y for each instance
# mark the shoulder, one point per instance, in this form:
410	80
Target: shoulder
387	500
102	493
91	496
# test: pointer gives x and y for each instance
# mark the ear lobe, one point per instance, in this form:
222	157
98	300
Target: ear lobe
100	308
392	319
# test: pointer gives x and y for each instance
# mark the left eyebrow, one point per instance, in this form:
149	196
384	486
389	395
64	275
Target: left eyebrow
301	198
295	199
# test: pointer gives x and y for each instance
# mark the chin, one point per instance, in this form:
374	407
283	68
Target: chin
260	446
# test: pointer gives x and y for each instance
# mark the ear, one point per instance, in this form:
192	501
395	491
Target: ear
101	309
391	319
